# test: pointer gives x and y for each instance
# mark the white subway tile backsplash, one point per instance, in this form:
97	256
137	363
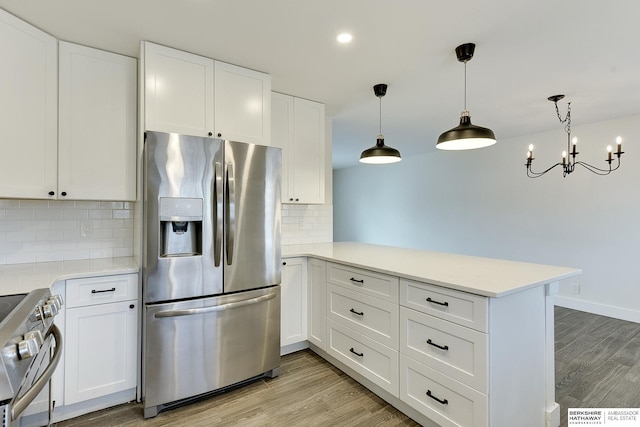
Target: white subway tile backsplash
49	230
304	224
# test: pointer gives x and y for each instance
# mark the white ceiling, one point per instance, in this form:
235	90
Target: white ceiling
525	52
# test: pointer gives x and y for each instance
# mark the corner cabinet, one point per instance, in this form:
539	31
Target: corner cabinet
293	316
28	110
97	124
194	95
298	128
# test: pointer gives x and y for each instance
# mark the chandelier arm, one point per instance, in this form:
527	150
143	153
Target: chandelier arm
597	170
532	174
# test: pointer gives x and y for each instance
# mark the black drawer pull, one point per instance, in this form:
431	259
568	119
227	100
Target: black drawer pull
441	347
361	313
93	291
446	304
444	402
356	353
356	280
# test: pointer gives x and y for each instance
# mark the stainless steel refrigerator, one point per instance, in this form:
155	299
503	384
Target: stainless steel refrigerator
211	266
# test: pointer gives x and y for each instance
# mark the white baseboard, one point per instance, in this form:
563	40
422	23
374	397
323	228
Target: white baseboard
596	308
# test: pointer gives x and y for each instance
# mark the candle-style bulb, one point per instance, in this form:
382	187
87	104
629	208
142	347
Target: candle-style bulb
609	148
564	154
530	147
619	140
574	141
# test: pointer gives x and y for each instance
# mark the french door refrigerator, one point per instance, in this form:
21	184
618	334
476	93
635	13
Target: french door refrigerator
211	266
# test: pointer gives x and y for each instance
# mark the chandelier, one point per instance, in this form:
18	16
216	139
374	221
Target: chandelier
569	161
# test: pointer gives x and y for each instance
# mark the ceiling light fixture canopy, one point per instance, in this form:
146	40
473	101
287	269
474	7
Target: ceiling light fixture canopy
569	161
466	136
380	153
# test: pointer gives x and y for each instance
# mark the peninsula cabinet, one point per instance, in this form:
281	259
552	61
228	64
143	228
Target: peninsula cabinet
28	110
194	95
298	128
443	356
97	124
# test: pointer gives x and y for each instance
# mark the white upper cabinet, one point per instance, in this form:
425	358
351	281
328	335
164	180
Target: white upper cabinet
242	104
194	95
298	128
28	110
97	124
178	91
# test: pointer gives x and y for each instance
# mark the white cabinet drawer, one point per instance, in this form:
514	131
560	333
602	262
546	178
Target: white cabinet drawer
376	362
444	400
459	307
371	283
373	317
454	350
101	290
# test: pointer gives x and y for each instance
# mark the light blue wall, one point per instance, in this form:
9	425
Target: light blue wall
481	203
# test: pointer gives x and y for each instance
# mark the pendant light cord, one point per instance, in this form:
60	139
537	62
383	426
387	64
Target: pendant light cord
380	121
465	85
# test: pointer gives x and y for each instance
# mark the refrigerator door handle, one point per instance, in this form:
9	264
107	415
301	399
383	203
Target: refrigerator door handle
218	213
215	308
231	213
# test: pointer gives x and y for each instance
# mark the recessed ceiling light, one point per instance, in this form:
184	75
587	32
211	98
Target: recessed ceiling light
344	38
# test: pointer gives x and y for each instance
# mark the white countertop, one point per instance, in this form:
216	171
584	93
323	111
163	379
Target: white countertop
23	278
482	276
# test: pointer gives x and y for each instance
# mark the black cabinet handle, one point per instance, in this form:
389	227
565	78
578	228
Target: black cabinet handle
297	200
446	304
219	134
441	347
444	401
210	133
284	263
132	306
356	353
361	313
64	193
52	193
93	291
356	280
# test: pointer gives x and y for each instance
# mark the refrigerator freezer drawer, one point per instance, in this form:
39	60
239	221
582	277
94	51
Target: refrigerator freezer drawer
198	346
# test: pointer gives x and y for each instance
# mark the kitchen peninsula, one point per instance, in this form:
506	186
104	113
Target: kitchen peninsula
447	339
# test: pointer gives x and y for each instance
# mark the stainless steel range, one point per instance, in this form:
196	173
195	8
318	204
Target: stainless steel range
31	347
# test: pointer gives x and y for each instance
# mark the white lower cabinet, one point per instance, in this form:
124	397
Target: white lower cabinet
101	337
100	350
293	306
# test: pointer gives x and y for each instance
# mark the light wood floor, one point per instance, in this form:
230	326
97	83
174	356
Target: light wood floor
597	365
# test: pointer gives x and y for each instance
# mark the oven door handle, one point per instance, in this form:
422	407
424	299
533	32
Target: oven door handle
214	308
21	404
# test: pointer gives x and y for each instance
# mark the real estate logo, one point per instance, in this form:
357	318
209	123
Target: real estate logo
618	417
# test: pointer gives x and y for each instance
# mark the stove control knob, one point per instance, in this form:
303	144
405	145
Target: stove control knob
49	310
28	348
57	302
58	299
36	335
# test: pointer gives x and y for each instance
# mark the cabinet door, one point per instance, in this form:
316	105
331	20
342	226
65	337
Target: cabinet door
317	302
293	322
282	136
28	110
178	91
307	152
97	125
100	350
242	104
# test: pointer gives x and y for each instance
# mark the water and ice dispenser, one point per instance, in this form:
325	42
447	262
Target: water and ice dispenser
180	226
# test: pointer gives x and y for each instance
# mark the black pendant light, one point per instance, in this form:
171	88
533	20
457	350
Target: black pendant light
380	153
466	136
